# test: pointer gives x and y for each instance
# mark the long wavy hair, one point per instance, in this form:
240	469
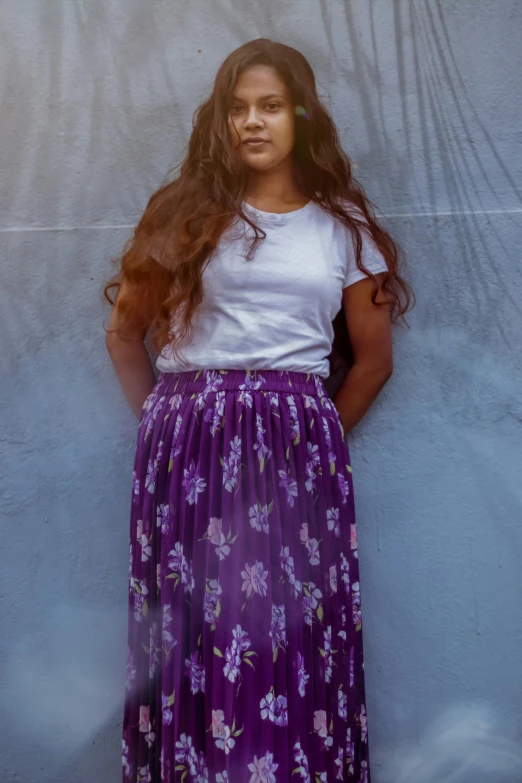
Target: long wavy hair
162	263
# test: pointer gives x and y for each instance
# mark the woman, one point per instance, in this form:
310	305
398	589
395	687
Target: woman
245	655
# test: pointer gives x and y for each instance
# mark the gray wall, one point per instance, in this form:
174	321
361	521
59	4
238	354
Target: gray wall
96	105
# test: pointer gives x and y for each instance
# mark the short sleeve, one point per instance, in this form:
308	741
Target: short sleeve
371	256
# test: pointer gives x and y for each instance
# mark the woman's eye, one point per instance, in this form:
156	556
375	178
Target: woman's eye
238	108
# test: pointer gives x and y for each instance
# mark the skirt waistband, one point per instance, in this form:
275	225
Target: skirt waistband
210	380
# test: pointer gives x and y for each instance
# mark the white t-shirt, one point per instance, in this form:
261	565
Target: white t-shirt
275	311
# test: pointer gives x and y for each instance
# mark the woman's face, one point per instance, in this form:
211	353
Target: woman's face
262	107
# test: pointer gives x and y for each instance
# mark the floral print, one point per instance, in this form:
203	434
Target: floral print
275	709
244	660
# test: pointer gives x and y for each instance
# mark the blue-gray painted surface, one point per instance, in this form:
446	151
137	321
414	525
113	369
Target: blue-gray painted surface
96	105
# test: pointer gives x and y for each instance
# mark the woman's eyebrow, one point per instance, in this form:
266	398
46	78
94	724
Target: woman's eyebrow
262	97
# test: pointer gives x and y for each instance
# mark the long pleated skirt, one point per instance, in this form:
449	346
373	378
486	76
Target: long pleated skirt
245	654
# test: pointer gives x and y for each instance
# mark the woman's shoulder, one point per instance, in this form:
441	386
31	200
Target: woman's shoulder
353	210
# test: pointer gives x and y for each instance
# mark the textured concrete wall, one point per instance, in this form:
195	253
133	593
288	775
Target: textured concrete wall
96	105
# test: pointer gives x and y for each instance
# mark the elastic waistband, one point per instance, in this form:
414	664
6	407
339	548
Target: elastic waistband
209	380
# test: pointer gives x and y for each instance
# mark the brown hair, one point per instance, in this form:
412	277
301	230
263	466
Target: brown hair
162	263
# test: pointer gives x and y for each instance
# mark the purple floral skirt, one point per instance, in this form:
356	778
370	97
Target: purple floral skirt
245	654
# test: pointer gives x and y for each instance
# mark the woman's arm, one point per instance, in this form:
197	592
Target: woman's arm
369	327
131	361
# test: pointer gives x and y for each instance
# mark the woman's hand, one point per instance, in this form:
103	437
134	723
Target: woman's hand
131	360
134	370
